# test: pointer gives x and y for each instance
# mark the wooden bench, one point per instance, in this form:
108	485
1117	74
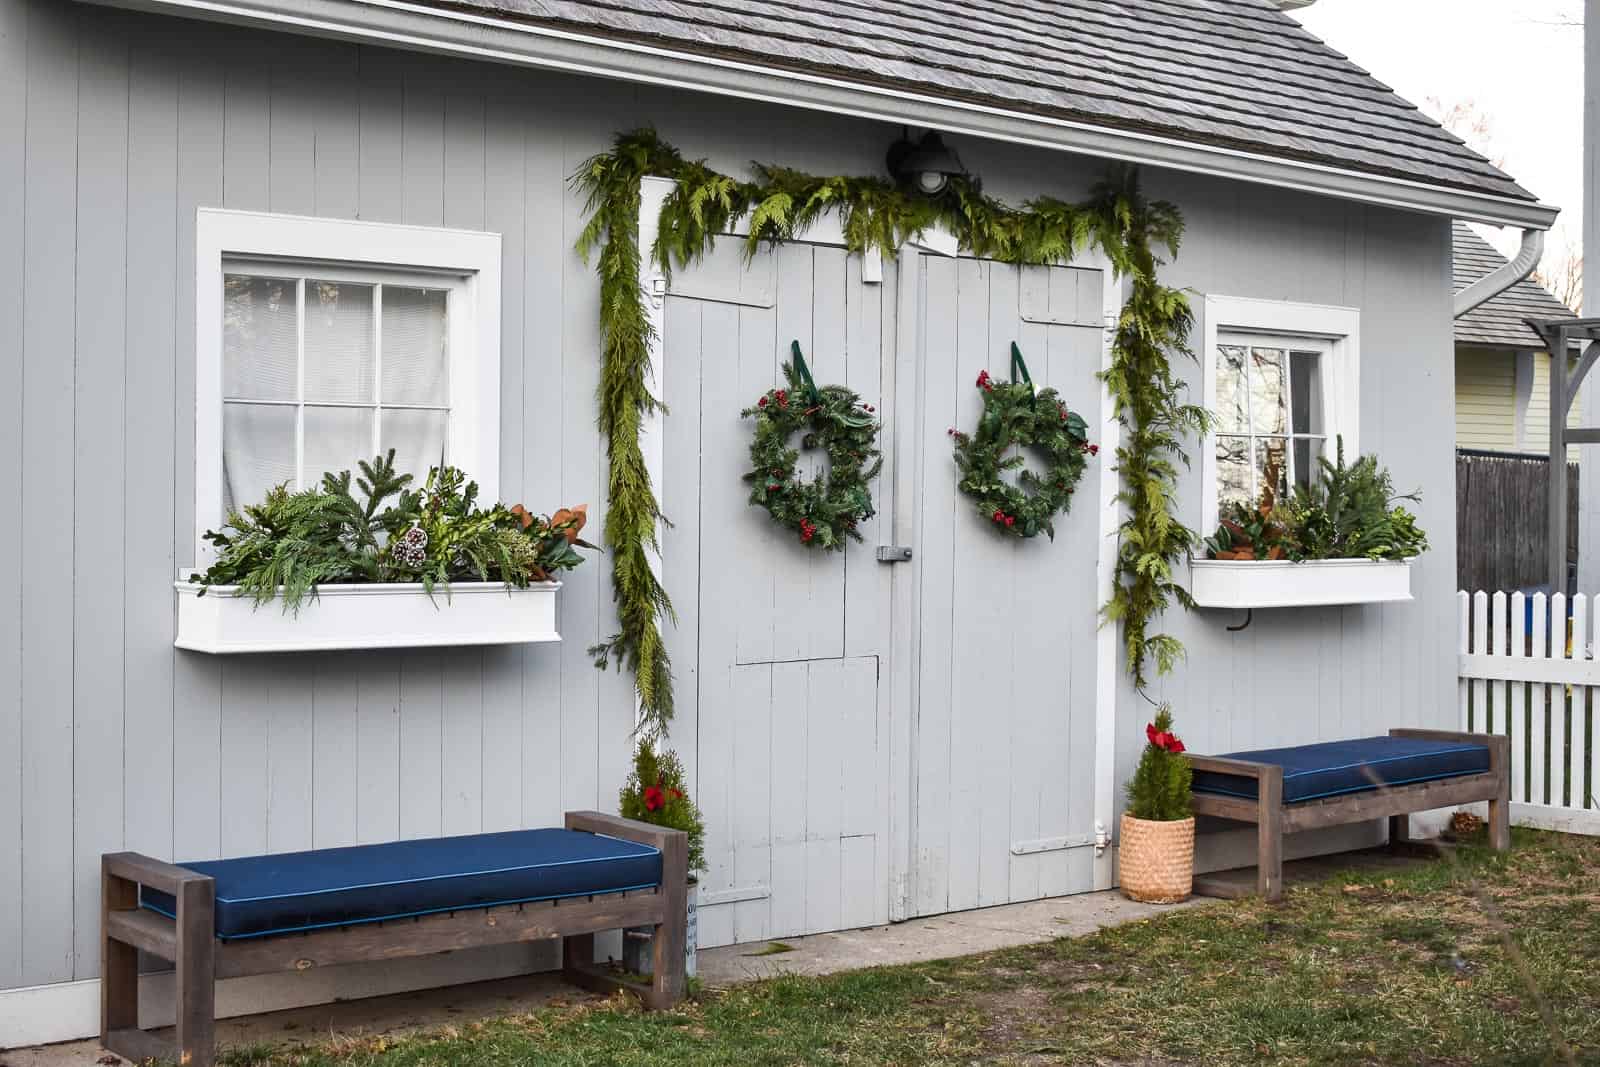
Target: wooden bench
212	921
1249	787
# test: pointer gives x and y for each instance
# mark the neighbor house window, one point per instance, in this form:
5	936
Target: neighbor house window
1282	384
323	342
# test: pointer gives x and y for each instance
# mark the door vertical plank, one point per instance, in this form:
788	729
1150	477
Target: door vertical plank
938	512
335	747
866	581
291	733
461	761
825	741
796	615
750	707
789	770
980	577
13	273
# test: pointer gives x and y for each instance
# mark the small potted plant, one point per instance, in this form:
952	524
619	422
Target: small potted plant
1156	853
657	793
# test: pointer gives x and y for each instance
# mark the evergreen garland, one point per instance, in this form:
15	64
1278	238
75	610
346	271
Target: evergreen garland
877	214
826	511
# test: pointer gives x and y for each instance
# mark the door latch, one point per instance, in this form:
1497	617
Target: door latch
894	553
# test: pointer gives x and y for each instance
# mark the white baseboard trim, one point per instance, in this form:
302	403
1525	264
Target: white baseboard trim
70	1011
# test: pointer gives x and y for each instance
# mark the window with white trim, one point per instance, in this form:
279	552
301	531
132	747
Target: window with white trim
322	342
323	367
1282	384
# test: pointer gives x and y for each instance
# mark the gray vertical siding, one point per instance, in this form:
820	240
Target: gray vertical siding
115	127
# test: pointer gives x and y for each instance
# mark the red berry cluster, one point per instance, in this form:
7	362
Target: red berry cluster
1162	739
984	381
808	530
1093	450
867	407
783	398
655	797
1003	519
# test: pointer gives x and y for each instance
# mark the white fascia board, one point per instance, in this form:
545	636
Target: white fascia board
396	24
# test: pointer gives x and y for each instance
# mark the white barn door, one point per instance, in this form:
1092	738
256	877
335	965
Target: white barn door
1002	637
778	647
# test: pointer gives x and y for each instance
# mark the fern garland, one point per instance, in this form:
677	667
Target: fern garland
876	214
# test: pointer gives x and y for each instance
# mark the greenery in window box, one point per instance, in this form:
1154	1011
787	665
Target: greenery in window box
1350	511
381	530
1159	788
657	793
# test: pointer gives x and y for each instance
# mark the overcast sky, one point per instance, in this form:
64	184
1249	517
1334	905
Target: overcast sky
1520	62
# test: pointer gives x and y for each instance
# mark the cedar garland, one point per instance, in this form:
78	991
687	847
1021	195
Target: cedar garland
876	214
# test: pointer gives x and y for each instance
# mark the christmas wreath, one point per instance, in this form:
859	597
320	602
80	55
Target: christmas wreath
1016	417
827	509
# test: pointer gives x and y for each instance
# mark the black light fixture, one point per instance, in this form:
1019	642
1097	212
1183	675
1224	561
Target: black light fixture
926	165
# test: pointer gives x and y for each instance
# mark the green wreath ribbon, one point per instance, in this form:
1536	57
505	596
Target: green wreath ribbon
827	510
1018	416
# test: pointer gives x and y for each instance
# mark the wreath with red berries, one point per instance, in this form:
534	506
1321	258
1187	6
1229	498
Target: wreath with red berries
825	511
1016	419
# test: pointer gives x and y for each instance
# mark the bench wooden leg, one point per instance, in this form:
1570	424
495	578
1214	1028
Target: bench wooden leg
1500	806
119	963
1399	832
667	982
197	970
1269	834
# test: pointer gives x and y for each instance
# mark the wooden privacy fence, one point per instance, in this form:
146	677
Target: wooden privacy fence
1501	519
1528	670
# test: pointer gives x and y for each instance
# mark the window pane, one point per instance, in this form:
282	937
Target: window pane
1306	468
1272	469
1267	412
417	438
259	346
257	452
414	346
1233	470
336	440
1305	381
339	342
1232	413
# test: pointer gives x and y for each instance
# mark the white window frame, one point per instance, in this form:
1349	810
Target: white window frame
246	241
1281	321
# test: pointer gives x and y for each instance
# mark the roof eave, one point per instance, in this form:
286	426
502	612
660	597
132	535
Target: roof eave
397	24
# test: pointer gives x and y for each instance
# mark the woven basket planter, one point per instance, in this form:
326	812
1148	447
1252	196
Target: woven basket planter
1156	860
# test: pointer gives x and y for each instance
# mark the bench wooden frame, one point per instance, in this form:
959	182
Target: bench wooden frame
200	958
1274	818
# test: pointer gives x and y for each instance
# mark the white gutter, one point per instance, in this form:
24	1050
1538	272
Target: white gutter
398	24
1502	278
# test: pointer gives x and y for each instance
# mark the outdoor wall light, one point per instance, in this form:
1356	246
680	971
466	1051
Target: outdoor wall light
926	165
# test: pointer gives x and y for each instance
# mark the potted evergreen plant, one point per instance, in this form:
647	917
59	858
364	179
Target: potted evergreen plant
656	792
1156	853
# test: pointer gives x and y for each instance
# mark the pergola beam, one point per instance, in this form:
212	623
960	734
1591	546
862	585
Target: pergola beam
1558	336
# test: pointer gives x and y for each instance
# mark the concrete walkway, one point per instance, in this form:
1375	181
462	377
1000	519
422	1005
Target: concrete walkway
936	937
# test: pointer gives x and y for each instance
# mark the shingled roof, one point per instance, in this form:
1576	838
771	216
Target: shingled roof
1498	322
1237	74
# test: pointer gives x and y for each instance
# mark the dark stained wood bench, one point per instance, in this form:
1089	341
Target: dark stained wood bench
1275	816
190	937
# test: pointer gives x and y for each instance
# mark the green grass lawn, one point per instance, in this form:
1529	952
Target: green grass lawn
1475	958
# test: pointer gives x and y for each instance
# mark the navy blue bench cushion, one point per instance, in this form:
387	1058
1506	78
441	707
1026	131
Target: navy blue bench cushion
1332	768
297	891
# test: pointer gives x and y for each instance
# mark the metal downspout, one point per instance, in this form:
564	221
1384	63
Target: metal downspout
1499	280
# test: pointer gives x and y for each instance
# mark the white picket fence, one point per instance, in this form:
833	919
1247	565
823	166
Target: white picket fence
1528	670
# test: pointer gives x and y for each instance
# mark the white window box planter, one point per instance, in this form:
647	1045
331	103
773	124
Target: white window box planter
1227	583
367	616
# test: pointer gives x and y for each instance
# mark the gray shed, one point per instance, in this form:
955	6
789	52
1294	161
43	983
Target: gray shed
870	741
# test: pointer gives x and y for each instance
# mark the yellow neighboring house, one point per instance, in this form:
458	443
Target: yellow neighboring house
1502	370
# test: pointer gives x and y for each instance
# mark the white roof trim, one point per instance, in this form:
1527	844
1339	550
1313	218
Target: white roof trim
398	24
